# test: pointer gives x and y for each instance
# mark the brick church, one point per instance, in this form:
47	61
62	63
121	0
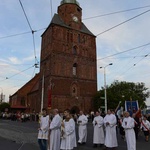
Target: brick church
68	74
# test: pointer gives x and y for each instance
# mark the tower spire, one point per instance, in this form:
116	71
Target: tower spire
70	1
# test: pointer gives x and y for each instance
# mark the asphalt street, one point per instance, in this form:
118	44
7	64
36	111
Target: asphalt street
23	136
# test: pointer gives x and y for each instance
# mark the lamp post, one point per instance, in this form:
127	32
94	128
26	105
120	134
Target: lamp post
105	90
1	96
42	95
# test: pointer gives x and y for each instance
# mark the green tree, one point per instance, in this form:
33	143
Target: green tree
3	106
122	91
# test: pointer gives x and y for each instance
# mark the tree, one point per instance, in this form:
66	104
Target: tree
122	91
3	106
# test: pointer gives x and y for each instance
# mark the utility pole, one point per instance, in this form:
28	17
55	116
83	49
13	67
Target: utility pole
105	87
1	96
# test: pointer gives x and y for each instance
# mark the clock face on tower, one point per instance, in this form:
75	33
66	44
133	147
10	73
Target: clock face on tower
75	18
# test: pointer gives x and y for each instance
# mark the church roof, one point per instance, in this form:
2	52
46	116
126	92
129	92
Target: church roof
58	21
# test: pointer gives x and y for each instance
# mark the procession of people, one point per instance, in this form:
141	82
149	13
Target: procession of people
59	133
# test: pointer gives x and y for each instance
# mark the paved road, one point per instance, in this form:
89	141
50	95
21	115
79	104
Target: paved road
23	136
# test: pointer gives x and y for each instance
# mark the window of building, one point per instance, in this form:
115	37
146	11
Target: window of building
74	90
71	37
74	50
74	71
23	101
79	38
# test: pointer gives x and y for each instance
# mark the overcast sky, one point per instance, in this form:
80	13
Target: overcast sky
126	23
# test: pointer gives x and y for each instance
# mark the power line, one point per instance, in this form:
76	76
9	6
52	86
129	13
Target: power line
141	59
129	57
123	22
116	12
17	73
32	31
134	65
133	57
36	61
8	36
124	51
51	5
25	15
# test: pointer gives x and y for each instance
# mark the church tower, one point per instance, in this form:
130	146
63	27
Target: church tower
68	61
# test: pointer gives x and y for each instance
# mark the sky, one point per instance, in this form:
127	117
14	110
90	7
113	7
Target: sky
122	38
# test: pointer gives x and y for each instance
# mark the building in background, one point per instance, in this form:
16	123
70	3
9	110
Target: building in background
25	99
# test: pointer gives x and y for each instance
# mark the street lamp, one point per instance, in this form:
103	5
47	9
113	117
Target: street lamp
1	96
42	95
105	91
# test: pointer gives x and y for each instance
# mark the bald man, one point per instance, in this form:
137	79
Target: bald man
55	131
128	125
82	122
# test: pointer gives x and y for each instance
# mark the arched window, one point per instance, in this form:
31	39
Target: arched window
74	71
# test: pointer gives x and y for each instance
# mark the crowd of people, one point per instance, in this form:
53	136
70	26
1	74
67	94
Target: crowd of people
19	116
58	133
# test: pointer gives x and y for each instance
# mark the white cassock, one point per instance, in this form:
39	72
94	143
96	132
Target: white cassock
98	137
82	122
44	128
110	137
68	142
128	125
55	133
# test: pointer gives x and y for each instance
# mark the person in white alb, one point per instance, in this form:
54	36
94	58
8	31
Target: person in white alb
128	125
82	130
110	128
43	130
68	140
98	136
55	131
145	126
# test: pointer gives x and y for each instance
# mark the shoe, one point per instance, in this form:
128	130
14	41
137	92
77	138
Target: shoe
105	148
79	143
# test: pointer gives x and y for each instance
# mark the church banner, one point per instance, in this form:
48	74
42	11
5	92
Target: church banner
131	106
49	97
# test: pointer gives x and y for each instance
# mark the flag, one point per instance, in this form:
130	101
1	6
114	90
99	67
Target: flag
131	106
49	97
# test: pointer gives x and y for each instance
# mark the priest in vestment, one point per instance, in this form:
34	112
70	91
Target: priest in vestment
98	136
82	130
110	128
55	131
128	125
68	140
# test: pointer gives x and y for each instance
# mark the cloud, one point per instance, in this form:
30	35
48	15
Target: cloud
14	60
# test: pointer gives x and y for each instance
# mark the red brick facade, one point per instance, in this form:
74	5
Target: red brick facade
68	59
20	100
